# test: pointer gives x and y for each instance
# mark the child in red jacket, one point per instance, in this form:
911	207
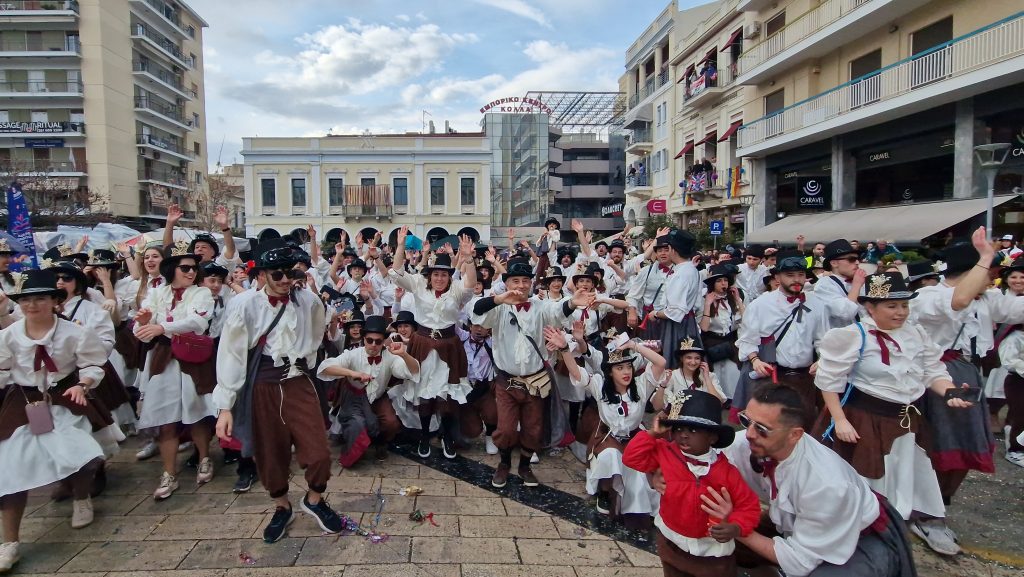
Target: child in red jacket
683	443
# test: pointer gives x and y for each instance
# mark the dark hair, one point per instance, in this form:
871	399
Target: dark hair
608	392
791	405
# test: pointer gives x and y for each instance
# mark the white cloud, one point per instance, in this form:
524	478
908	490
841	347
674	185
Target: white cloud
403	17
519	8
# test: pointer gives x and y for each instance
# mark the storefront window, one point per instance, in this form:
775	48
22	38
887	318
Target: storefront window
912	169
1009	127
804	187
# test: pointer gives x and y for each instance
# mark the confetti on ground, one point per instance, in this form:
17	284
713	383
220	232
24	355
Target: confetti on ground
579	532
417	516
411	491
246	559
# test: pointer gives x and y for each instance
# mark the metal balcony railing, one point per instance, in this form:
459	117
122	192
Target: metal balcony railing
639	135
984	47
164	144
40	87
37	5
367	201
162	74
70	44
804	26
143	31
637	181
169	13
722	78
162	176
161	107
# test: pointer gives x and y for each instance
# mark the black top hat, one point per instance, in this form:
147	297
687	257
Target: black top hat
357	263
330	294
211	268
590	272
64	253
103	257
618	357
791	261
206	238
349	251
688	345
700	410
725	269
551	274
355	318
375	324
836	249
918	270
959	257
303	257
517	268
173	254
682	242
886	286
599	243
405	318
661	241
754	250
70	268
617	243
275	253
37	282
553	221
435	261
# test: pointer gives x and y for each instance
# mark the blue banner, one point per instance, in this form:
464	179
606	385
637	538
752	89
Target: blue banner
19	225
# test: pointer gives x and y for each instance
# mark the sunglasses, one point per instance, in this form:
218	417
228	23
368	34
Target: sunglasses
849	259
187	268
761	430
370	341
65	277
279	274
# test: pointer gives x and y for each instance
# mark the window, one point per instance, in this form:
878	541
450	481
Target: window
40	116
195	90
866	64
336	191
932	35
468	191
773	26
774	102
868	88
5	116
401	188
199	177
368	181
437	192
195	120
191	31
191	59
298	192
268	189
196	149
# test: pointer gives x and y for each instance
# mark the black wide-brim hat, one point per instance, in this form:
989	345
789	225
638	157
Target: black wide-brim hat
357	319
689	346
959	257
405	318
174	254
921	269
442	262
791	261
589	272
553	221
375	324
358	263
72	269
208	239
551	274
700	410
211	268
103	257
37	283
517	267
836	249
661	241
886	286
723	270
274	253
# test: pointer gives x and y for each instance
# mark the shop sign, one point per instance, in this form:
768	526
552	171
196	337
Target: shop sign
36	127
793	174
1018	150
614	209
879	156
516	105
52	185
44	143
737	218
813	192
694	220
657	206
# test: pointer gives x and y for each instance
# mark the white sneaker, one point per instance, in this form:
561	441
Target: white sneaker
168	485
182	447
1016	457
534	459
936	535
83	514
1020	439
8	556
147	451
489	446
205	474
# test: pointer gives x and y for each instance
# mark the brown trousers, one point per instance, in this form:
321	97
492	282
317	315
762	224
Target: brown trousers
678	563
287	414
388	424
517	409
1014	388
483	410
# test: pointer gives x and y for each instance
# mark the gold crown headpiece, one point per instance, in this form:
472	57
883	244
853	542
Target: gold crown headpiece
179	248
610	333
675	403
879	287
65	249
686	344
4	247
618	356
432	259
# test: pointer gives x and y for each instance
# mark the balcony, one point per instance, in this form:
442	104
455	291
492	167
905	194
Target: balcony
16	129
45	11
161	111
707	90
639	142
555	156
159	44
370	201
163	13
168	178
30	48
32	167
984	60
41	89
817	32
163	146
639	184
585	191
161	77
555	183
652	84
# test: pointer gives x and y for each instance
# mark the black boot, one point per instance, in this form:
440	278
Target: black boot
449	432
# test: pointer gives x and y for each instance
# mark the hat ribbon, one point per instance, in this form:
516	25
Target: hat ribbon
882	337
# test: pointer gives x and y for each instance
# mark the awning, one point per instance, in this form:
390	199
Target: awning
712	52
709	138
639	115
732	130
689	146
732	39
906	223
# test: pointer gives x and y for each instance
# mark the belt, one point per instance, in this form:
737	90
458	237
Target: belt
437	334
951	355
791	370
883	408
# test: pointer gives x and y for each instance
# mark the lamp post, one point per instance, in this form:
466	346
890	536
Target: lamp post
747	200
991	157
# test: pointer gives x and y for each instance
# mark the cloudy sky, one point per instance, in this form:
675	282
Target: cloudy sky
303	67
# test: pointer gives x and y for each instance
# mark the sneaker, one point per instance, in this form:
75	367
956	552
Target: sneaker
182	447
1016	457
244	483
129	430
489	446
604	503
193	460
231	456
328	520
500	478
936	535
1006	439
423	450
82	515
205	474
448	448
147	451
534	459
278	525
168	485
8	556
529	479
380	453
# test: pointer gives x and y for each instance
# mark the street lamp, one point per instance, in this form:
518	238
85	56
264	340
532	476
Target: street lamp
747	201
991	157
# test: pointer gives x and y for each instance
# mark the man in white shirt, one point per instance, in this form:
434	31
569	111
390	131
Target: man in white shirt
749	279
647	290
840	290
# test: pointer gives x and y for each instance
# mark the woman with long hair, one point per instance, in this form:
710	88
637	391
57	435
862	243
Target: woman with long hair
693	374
723	310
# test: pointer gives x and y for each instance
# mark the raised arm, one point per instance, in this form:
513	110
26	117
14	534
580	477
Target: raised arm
174	214
220	218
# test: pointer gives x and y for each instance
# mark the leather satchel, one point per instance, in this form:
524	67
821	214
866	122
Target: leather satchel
192	348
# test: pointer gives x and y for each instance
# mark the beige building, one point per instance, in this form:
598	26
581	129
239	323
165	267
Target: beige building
105	96
437	184
227	188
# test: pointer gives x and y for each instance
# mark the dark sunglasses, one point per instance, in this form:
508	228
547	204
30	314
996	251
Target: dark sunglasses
187	268
369	341
278	274
850	258
761	430
65	277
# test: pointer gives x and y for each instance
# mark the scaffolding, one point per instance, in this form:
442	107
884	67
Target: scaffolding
589	112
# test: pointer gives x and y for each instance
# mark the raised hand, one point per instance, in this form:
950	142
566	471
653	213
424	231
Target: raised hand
555	338
664	230
174	214
220	217
981	243
577	226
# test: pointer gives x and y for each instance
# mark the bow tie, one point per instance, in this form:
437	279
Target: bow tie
439	294
155	283
178	293
882	337
625	409
665	269
586	314
694	461
800	296
523	307
43	359
274	301
373	360
767	468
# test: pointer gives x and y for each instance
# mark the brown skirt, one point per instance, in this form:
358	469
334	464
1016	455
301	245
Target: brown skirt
12	412
601	440
590	421
203	374
111	391
449	350
129	347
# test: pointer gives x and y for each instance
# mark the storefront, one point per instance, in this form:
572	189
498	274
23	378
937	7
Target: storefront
908	169
803	187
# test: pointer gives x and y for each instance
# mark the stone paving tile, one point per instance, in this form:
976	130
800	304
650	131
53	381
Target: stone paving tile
473	570
447	525
131	556
639	557
235	553
461	505
346	484
259	502
598	553
402	570
428	473
401	470
567	530
206	527
464	489
532	527
353	549
104	505
168	573
48	557
117	485
368	503
132	528
618	571
303	526
434	487
463	550
33	528
513	508
551	475
224	484
285	572
181	504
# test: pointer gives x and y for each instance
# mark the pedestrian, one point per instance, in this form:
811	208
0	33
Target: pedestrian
693	374
480	413
722	315
682	294
842	288
647	291
752	272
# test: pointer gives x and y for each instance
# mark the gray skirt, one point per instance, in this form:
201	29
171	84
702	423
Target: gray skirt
961	439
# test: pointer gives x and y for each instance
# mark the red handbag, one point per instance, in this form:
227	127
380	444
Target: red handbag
192	348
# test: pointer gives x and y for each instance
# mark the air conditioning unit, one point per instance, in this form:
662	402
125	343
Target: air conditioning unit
751	30
142	151
156	155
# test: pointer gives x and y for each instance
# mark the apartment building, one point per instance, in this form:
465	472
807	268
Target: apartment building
592	174
436	184
105	96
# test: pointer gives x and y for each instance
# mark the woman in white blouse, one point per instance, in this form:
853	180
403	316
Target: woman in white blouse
693	374
48	360
890	364
147	267
723	309
175	393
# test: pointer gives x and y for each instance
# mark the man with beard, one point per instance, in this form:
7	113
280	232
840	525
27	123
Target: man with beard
841	289
779	334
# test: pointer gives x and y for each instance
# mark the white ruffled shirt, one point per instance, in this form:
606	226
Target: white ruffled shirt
93	318
621	418
190	315
513	353
933	310
767	313
357	360
433	312
69	345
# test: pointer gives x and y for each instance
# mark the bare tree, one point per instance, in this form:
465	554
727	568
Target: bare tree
52	199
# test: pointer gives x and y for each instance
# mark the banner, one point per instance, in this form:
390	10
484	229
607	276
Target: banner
20	226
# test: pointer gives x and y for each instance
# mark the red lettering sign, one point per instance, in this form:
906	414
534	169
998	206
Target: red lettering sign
657	206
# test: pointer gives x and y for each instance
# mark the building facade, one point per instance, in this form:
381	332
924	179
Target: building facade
436	184
227	189
592	174
102	102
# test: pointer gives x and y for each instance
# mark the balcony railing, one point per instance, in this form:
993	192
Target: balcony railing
162	74
164	144
161	107
37	5
165	43
806	24
638	135
702	83
162	176
651	85
40	165
40	87
637	181
167	12
984	47
367	201
70	44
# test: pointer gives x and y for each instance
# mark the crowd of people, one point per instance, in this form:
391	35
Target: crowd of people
856	399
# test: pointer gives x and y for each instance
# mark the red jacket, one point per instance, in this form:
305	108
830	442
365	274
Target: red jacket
680	505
